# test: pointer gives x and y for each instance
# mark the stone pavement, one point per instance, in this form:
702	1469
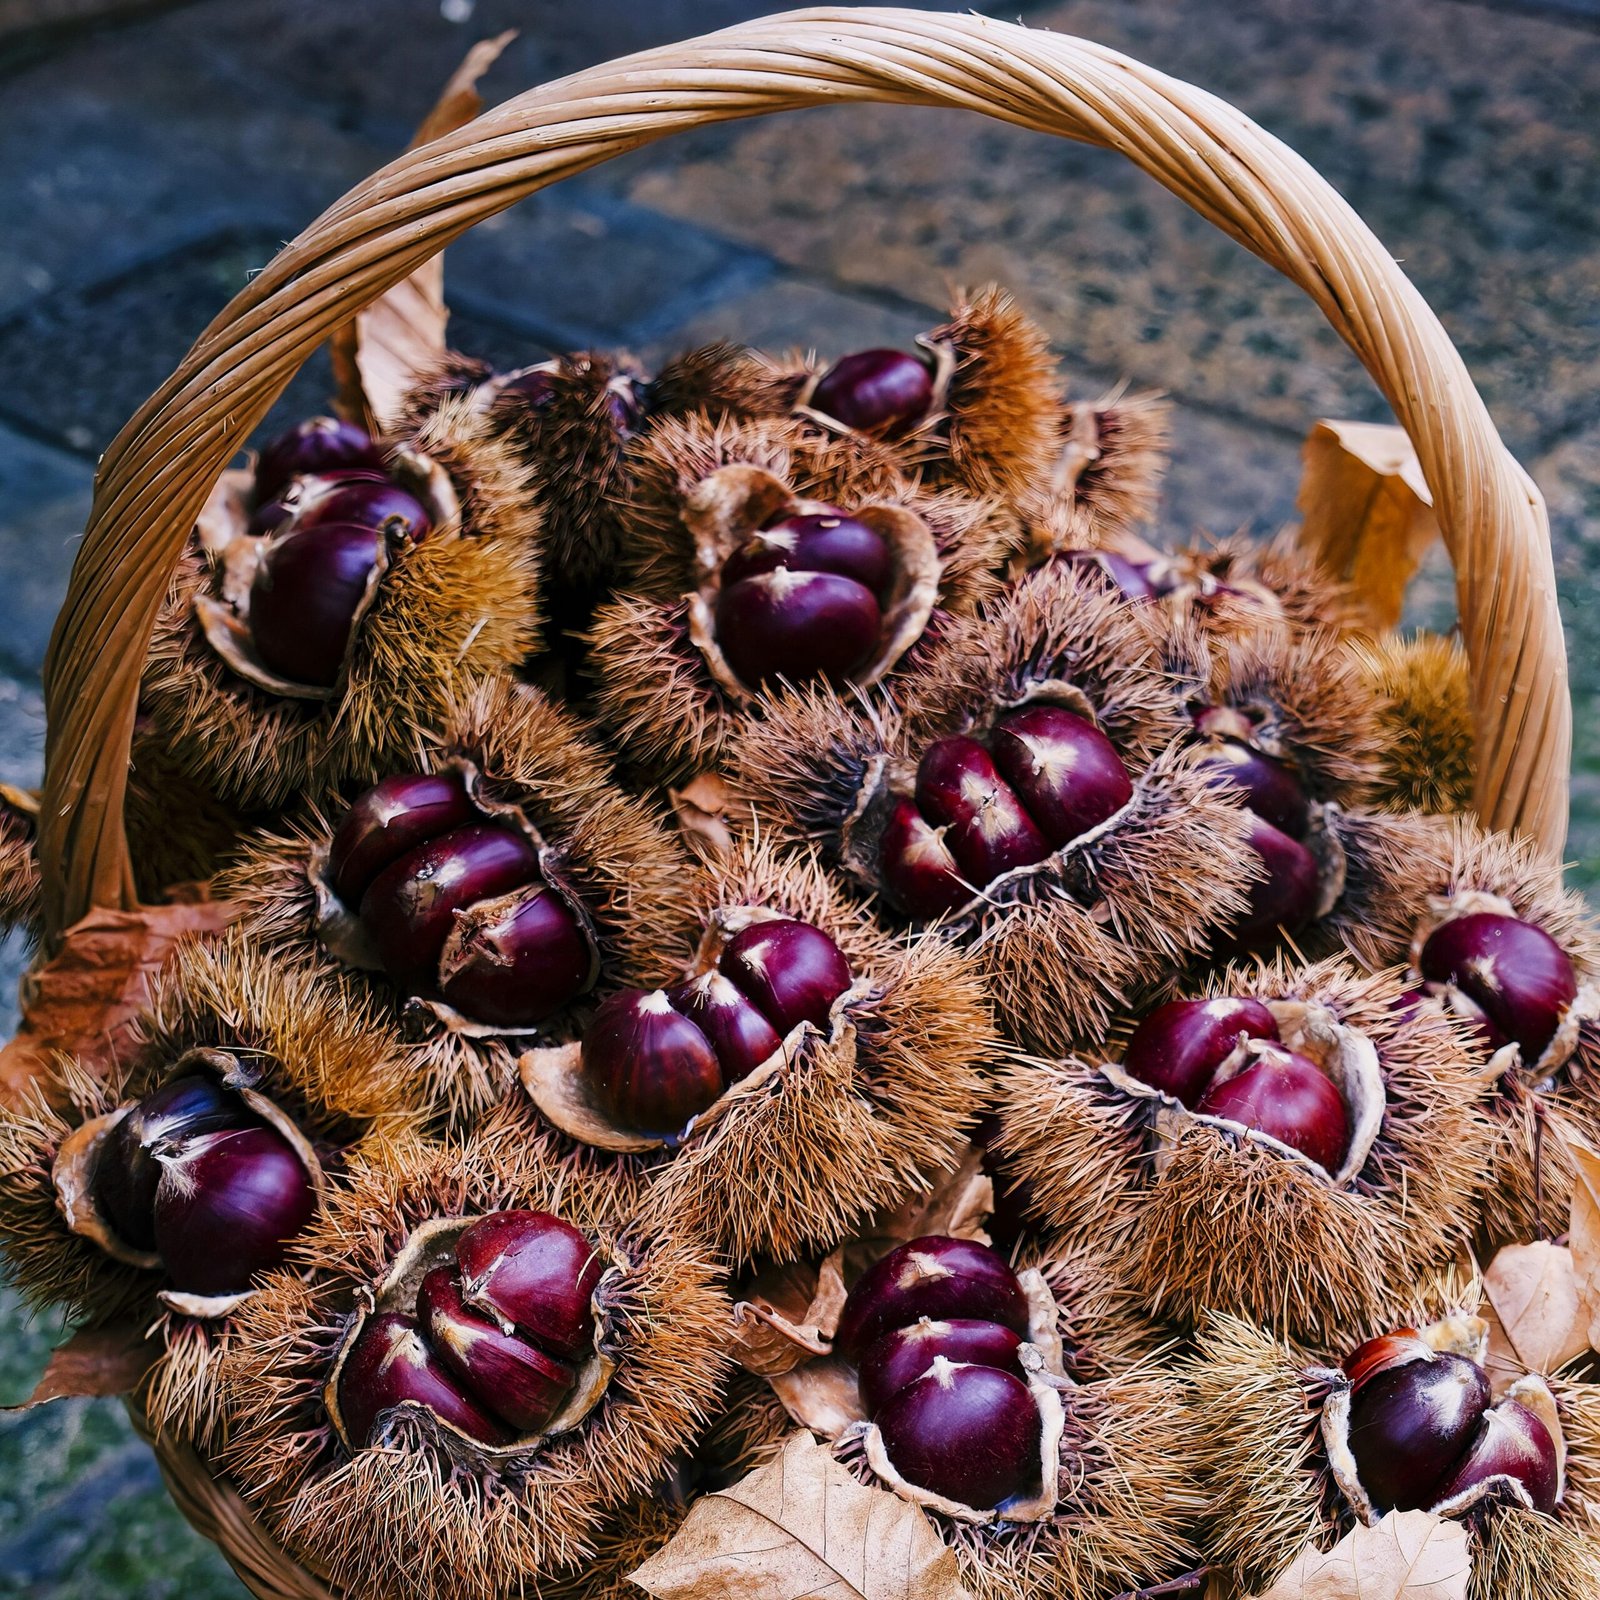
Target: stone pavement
146	168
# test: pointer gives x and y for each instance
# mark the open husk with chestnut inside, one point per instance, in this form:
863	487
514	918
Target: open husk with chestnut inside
166	1196
801	1069
490	1351
1032	792
332	599
759	555
1407	1416
1291	1145
481	891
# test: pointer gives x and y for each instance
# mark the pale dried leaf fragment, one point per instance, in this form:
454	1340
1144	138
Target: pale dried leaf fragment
1539	1324
1367	512
1584	1232
95	1363
701	808
803	1526
1410	1555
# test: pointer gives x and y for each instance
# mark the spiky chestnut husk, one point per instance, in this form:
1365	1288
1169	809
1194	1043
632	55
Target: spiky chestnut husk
1060	942
666	688
463	603
426	1513
623	1542
1270	1494
845	1121
1199	1217
1422	695
614	860
19	866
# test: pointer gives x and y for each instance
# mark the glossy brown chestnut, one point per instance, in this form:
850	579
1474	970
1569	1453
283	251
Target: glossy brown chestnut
1064	770
987	829
228	1205
903	1355
650	1068
533	1272
919	874
390	1365
817	541
392	817
1283	901
319	444
1178	1047
1384	1354
521	959
1270	787
1517	976
511	1378
410	907
739	1034
796	625
385	506
935	1277
971	1434
1511	1444
1286	1095
790	971
304	598
875	391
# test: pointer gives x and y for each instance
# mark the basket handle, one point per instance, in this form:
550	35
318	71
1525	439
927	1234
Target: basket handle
156	475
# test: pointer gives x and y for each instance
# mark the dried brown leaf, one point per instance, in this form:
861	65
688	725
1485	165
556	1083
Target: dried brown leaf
958	1205
788	1315
701	807
459	101
1410	1555
803	1526
1538	1324
84	999
1584	1232
1367	512
93	1363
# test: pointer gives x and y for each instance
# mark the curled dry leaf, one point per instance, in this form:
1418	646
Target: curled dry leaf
1584	1232
1410	1555
1538	1323
1368	513
803	1526
958	1205
701	809
94	1363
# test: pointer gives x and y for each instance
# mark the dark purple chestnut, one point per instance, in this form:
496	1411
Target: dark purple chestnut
509	1377
1129	578
389	1365
650	1068
875	391
127	1168
392	817
971	1434
394	512
1283	901
522	957
1270	787
227	1207
902	1355
1063	768
1513	972
987	829
1178	1047
919	874
817	541
319	444
737	1031
1511	1443
935	1277
797	625
1286	1095
304	599
271	515
535	387
790	971
1410	1426
534	1272
410	907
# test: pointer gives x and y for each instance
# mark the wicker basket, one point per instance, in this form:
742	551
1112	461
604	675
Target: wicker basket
158	472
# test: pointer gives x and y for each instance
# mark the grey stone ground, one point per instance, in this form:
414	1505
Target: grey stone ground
146	168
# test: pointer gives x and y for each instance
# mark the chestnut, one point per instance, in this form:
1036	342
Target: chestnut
902	1355
919	874
935	1277
1063	768
987	829
303	600
533	1272
738	1033
971	1434
389	1365
392	817
1270	787
875	391
816	541
227	1207
1283	901
1511	1444
1410	1426
790	971
796	625
365	503
650	1068
1286	1095
410	907
522	958
1131	579
511	1378
1178	1047
319	444
1517	976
